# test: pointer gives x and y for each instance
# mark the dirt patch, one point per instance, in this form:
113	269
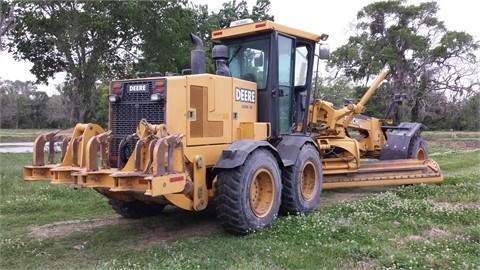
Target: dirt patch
163	235
367	264
65	228
437	232
456	206
172	225
466	145
175	224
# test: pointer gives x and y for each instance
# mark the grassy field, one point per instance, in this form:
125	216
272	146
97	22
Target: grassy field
46	226
19	135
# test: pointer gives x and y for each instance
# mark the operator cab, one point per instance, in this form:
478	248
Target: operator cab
280	61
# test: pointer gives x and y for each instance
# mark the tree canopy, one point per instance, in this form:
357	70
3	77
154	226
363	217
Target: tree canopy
96	41
424	58
7	19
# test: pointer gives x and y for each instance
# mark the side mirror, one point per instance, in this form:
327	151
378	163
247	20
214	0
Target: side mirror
324	51
258	59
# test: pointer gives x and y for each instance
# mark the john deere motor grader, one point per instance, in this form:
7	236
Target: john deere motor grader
247	138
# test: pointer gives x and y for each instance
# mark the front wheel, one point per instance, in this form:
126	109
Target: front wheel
417	149
302	183
248	196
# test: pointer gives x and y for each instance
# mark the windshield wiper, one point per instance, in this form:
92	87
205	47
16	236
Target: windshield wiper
235	54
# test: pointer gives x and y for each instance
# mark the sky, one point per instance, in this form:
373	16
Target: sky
330	17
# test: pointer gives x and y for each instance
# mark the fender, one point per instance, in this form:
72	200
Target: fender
236	153
289	148
399	139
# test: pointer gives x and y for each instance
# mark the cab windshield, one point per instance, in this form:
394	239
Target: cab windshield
249	61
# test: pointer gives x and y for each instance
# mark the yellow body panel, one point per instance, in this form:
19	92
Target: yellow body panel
210	153
209	110
248	29
167	184
176	106
253	131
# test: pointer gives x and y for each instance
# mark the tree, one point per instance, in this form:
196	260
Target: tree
38	104
58	110
7	19
87	40
16	100
423	56
231	11
166	41
168	47
468	117
333	89
101	107
97	41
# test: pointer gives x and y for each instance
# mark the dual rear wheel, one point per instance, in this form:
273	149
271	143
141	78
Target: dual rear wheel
249	197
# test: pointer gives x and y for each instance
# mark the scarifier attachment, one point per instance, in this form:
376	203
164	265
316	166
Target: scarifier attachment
155	170
75	158
39	170
156	167
96	143
169	173
73	155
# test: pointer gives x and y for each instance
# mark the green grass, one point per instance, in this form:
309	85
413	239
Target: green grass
423	226
20	135
454	162
451	135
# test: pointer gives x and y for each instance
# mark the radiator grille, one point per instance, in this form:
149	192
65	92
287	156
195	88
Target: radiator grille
127	113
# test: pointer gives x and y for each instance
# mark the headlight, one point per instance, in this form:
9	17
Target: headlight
155	97
113	98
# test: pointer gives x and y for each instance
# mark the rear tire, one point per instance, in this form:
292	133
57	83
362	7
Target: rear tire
417	149
302	183
135	209
248	197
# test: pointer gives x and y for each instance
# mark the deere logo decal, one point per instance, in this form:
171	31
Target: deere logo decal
137	88
244	95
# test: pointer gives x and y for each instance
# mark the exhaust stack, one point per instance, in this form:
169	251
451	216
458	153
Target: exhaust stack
197	55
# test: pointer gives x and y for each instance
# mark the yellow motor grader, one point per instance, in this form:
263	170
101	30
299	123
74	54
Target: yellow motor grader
247	138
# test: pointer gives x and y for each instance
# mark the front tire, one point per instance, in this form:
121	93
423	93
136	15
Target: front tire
302	183
417	149
248	197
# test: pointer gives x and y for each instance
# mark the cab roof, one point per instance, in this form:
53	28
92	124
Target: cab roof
262	26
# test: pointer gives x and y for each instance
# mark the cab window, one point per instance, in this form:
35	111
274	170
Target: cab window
301	64
249	61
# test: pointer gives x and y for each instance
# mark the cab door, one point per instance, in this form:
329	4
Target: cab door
285	56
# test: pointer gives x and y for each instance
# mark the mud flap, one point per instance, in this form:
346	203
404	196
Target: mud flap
398	140
236	153
289	148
